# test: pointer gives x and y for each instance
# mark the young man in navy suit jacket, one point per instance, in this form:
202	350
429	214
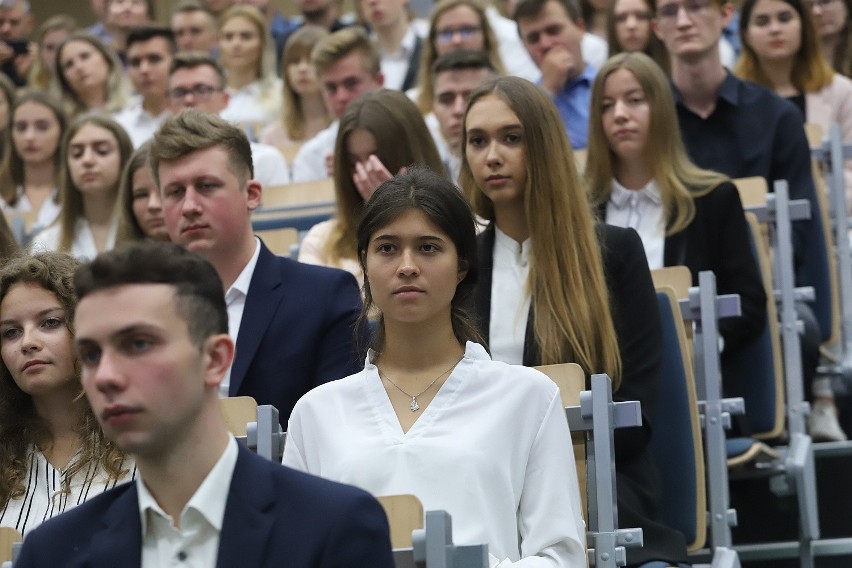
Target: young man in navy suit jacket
293	323
152	339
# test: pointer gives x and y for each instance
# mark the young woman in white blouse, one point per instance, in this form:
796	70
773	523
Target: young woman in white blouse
94	151
53	454
29	174
431	414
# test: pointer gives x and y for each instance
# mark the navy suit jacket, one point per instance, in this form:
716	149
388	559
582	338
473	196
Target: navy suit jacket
274	516
297	331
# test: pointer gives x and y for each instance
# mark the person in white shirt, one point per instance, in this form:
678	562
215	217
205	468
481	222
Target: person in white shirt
53	454
152	337
196	80
397	40
428	413
348	66
195	27
149	54
96	149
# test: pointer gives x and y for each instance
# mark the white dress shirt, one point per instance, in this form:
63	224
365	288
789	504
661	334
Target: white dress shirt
595	50
309	164
83	245
235	300
640	209
513	54
138	122
270	167
510	298
395	65
196	543
46	215
251	105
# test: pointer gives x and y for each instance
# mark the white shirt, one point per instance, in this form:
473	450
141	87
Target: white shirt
83	246
252	105
46	215
309	164
43	498
270	167
395	65
510	299
513	54
595	50
235	300
493	449
138	122
642	210
196	543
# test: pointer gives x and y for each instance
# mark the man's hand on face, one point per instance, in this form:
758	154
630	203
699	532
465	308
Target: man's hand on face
557	68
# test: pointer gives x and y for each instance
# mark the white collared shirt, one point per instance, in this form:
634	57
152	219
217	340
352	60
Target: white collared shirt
196	543
235	299
395	65
250	104
640	209
510	299
138	122
83	247
309	164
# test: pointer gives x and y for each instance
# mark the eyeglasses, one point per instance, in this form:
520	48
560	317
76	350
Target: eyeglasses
670	11
200	92
811	4
465	33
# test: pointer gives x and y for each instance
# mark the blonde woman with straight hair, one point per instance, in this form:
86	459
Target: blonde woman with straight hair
94	151
48	37
247	55
556	288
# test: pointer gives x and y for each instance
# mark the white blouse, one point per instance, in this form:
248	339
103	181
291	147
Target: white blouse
254	105
492	448
510	298
43	498
640	209
83	245
47	214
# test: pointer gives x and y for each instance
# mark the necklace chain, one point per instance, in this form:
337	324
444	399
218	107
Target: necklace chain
414	406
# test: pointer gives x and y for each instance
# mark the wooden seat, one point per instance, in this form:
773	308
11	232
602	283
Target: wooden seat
279	240
8	537
298	194
237	412
405	514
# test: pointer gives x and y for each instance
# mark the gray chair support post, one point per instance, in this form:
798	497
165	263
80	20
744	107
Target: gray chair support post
265	436
432	547
598	415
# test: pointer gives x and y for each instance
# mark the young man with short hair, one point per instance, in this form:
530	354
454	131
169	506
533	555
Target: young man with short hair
149	55
16	23
195	28
348	66
151	334
293	324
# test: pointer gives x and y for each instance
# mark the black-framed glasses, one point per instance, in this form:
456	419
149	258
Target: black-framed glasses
446	35
200	92
671	10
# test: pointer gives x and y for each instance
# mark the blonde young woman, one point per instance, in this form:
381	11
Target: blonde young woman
53	453
246	53
367	152
431	414
48	37
303	110
29	173
94	151
140	209
88	76
834	25
454	24
556	288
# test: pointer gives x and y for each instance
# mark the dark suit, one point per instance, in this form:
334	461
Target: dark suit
297	331
274	516
637	326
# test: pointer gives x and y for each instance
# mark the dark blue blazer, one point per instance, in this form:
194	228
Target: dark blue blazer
297	331
274	516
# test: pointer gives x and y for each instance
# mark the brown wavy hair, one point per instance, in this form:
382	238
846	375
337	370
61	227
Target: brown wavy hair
20	426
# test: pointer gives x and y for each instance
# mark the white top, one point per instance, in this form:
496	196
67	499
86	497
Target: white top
196	543
83	246
395	65
235	300
309	164
510	299
138	122
595	50
492	449
513	54
640	209
270	167
251	105
312	250
43	498
46	215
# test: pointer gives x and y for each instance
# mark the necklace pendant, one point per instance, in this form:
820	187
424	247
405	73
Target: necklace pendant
414	406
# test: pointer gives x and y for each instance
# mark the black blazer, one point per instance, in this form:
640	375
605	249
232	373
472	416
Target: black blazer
637	325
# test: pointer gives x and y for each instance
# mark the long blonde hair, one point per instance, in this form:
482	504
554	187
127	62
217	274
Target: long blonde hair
298	47
570	302
678	179
115	89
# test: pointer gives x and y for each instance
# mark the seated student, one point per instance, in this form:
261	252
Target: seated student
428	415
48	36
53	454
94	151
140	208
195	28
640	177
556	289
397	40
368	152
629	29
834	24
152	335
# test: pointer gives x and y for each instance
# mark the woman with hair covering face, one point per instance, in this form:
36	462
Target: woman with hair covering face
140	214
53	454
431	414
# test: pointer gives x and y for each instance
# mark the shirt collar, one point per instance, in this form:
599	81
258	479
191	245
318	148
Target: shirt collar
620	195
209	499
243	281
728	91
586	77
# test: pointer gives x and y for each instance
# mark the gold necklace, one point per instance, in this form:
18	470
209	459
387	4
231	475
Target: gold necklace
414	406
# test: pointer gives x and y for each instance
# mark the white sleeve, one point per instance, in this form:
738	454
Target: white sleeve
309	164
293	455
312	247
270	167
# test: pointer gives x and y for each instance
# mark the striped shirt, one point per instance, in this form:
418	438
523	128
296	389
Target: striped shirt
43	497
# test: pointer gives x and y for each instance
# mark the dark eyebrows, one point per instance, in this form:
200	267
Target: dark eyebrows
119	334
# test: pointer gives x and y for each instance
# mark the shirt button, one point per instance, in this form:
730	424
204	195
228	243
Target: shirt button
182	556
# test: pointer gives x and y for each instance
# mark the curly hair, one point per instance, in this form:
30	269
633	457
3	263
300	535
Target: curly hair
20	426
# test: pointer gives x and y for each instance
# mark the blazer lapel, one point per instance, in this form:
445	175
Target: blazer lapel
249	516
120	540
265	292
482	295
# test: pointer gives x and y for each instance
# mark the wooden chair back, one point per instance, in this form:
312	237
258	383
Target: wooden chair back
279	240
237	412
295	194
405	514
8	537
